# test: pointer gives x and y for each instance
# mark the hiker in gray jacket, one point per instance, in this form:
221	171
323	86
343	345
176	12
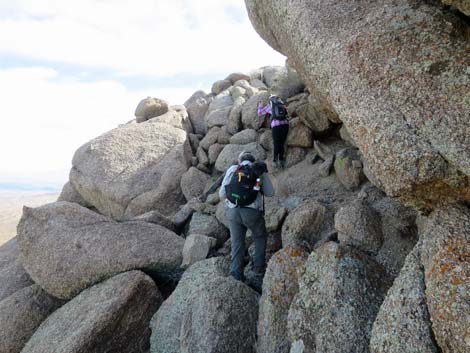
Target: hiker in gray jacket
243	215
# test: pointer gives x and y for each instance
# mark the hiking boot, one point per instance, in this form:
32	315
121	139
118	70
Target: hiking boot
276	164
239	278
254	278
259	269
283	164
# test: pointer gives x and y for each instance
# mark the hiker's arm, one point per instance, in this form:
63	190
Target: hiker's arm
224	182
264	110
267	185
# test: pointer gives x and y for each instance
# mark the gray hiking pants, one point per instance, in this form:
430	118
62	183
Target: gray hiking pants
241	219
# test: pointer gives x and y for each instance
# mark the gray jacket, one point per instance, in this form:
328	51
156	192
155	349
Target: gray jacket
266	187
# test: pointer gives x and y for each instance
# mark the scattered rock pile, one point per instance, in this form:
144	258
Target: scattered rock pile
144	196
134	255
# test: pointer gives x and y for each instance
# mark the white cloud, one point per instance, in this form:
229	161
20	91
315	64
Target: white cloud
46	113
148	37
44	119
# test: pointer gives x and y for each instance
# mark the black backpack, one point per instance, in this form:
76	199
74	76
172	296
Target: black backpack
240	190
279	111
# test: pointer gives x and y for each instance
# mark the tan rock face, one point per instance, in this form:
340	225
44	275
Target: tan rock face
396	72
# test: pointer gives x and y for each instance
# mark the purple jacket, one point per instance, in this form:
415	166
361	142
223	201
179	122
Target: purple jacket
268	110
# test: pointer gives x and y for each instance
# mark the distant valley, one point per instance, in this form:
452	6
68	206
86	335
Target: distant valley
11	205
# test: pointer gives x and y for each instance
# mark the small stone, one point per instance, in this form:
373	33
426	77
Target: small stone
325	168
359	225
196	248
323	150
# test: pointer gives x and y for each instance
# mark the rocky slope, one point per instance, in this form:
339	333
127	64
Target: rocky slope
133	257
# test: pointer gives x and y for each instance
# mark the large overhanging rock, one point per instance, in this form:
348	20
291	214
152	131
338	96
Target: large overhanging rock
445	255
21	314
112	316
66	248
132	170
209	311
396	73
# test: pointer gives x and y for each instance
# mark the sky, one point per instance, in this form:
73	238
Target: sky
72	70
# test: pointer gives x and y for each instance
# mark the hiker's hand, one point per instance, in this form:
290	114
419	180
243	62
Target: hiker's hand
263	167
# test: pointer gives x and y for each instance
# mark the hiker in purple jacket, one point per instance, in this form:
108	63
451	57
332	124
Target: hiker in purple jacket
279	126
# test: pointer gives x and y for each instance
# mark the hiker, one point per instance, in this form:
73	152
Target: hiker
243	187
279	126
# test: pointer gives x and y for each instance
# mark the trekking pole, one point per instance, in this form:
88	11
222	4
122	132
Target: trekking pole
263	207
257	132
212	189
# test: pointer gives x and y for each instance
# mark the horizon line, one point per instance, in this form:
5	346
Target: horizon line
23	187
